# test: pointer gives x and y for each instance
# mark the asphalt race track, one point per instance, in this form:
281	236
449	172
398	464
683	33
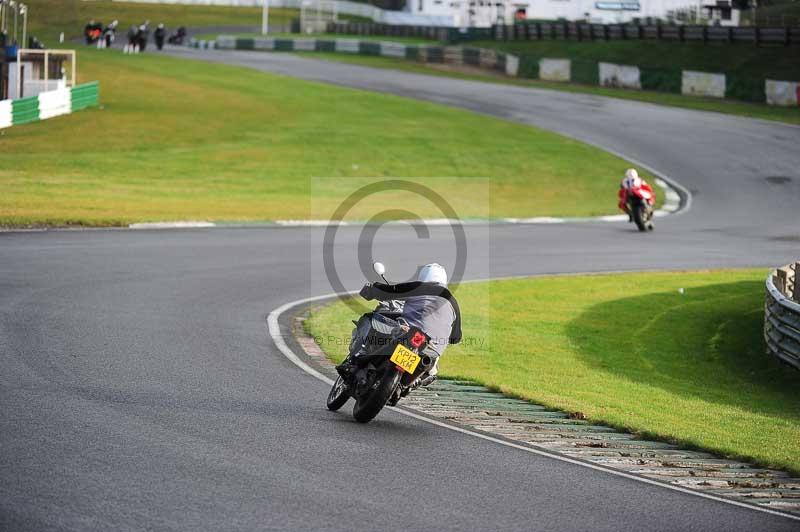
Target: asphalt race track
139	388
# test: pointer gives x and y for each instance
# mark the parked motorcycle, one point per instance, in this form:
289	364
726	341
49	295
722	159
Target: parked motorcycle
93	31
387	358
177	37
640	205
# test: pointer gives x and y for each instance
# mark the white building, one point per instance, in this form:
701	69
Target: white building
484	13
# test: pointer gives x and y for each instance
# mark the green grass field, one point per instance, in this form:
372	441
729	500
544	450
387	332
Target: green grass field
186	140
789	115
630	351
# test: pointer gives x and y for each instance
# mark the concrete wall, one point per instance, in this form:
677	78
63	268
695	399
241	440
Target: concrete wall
785	93
555	69
703	84
624	76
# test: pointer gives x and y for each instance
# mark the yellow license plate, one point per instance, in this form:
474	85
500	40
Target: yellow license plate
405	358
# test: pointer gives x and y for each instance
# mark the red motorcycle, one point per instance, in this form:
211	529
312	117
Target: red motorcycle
639	202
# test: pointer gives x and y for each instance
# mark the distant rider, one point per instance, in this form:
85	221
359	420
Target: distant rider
428	305
631	183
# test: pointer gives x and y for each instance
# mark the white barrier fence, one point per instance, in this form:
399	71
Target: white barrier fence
55	103
555	69
703	84
785	93
623	76
5	114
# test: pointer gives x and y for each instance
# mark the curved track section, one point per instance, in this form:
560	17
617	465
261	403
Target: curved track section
735	168
139	388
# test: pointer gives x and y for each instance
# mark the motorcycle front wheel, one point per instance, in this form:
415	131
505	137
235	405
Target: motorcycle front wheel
640	217
368	406
338	395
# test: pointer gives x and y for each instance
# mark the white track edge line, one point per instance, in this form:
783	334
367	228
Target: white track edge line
280	343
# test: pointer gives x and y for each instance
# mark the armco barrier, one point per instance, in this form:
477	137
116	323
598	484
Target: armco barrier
25	110
782	315
48	104
55	103
86	95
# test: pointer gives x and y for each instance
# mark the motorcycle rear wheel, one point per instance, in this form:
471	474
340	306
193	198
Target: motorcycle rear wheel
338	395
367	407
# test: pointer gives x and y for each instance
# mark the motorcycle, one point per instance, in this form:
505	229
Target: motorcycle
640	205
177	37
387	359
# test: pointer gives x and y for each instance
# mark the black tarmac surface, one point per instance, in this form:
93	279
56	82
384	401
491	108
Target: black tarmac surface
140	390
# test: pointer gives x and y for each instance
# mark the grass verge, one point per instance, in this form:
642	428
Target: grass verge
629	351
184	140
48	18
790	115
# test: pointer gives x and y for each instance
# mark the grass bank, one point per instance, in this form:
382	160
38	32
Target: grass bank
48	18
789	115
632	352
179	139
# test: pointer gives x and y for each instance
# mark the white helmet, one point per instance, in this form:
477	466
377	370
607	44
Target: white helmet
433	273
632	179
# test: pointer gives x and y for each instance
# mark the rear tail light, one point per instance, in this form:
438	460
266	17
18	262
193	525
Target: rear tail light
417	339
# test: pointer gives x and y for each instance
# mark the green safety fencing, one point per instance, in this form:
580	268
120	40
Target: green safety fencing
585	72
245	44
662	80
25	110
747	89
85	95
284	45
325	46
369	48
30	109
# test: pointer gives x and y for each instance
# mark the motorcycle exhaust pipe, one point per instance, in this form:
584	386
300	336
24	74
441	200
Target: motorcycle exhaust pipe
426	361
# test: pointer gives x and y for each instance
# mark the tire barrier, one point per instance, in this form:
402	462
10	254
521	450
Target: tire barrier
782	315
48	104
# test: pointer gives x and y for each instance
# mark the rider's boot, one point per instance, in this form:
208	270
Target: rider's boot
348	366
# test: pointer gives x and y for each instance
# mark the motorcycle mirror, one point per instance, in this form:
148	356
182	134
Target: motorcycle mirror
379	268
